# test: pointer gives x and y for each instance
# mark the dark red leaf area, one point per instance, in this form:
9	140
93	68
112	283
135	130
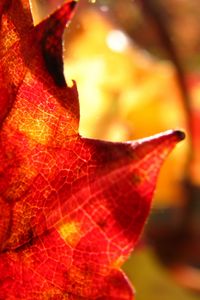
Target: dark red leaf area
81	214
71	209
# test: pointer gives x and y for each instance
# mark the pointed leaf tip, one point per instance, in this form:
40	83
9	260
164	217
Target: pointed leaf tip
180	135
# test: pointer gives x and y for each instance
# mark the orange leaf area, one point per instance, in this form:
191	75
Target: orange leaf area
71	208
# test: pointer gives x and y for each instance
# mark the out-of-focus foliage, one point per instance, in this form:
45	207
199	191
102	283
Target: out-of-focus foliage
153	281
194	85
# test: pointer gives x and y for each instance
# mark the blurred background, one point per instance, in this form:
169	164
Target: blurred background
137	67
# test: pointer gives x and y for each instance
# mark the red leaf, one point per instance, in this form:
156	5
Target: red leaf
71	208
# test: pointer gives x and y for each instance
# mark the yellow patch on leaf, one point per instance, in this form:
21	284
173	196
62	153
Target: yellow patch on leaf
118	262
70	232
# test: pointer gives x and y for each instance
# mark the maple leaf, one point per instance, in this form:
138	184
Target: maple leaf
71	208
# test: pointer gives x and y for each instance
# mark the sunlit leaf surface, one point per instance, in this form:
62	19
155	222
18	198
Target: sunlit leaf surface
71	208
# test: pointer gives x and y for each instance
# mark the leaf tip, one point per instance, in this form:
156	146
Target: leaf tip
179	134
